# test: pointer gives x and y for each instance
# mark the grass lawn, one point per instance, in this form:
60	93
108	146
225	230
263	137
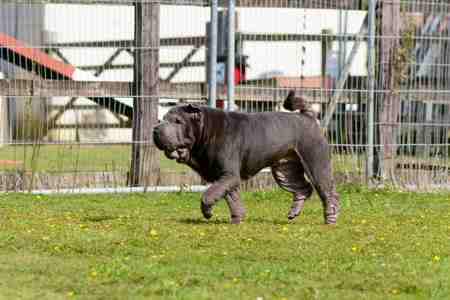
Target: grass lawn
53	158
387	245
69	158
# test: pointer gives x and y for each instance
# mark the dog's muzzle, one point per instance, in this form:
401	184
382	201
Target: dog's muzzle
180	153
157	139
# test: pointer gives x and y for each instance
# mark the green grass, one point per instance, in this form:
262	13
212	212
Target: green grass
68	158
51	158
387	245
55	158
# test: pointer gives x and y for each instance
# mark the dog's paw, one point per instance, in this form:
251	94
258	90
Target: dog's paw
236	220
331	215
206	210
296	209
292	215
331	219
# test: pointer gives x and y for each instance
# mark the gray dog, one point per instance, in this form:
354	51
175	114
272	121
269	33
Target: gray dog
227	147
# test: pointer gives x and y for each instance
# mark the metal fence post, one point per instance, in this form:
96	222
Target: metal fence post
371	90
230	55
212	48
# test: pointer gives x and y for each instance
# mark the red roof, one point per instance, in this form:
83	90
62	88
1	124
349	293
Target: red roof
36	55
311	82
305	82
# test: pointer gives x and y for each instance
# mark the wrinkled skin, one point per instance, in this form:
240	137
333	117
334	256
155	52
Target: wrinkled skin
225	148
175	135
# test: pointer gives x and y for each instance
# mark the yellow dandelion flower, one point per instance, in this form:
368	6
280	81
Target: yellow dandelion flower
363	221
436	258
93	274
285	228
71	293
153	232
354	248
394	291
235	280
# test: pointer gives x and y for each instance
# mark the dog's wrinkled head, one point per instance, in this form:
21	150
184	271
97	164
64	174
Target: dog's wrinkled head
293	103
178	131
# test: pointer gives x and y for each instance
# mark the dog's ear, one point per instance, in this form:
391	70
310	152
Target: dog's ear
291	95
289	101
194	111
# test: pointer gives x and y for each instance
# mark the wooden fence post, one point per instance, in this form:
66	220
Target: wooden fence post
390	107
145	156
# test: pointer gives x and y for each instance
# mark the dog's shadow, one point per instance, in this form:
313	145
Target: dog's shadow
200	221
219	221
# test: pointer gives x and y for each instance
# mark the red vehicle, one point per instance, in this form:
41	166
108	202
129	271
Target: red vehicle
239	74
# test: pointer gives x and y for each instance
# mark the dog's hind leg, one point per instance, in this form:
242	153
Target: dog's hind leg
237	211
289	175
317	165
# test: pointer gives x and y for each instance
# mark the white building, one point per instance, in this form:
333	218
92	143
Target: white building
83	23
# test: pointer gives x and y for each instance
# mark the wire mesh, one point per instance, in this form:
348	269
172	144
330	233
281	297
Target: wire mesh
320	50
413	108
60	129
67	100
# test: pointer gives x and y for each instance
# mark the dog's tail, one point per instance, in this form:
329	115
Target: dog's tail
293	103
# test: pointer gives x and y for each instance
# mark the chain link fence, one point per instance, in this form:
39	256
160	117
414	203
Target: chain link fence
80	80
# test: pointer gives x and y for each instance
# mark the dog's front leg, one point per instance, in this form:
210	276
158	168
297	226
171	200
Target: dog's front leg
237	211
216	191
